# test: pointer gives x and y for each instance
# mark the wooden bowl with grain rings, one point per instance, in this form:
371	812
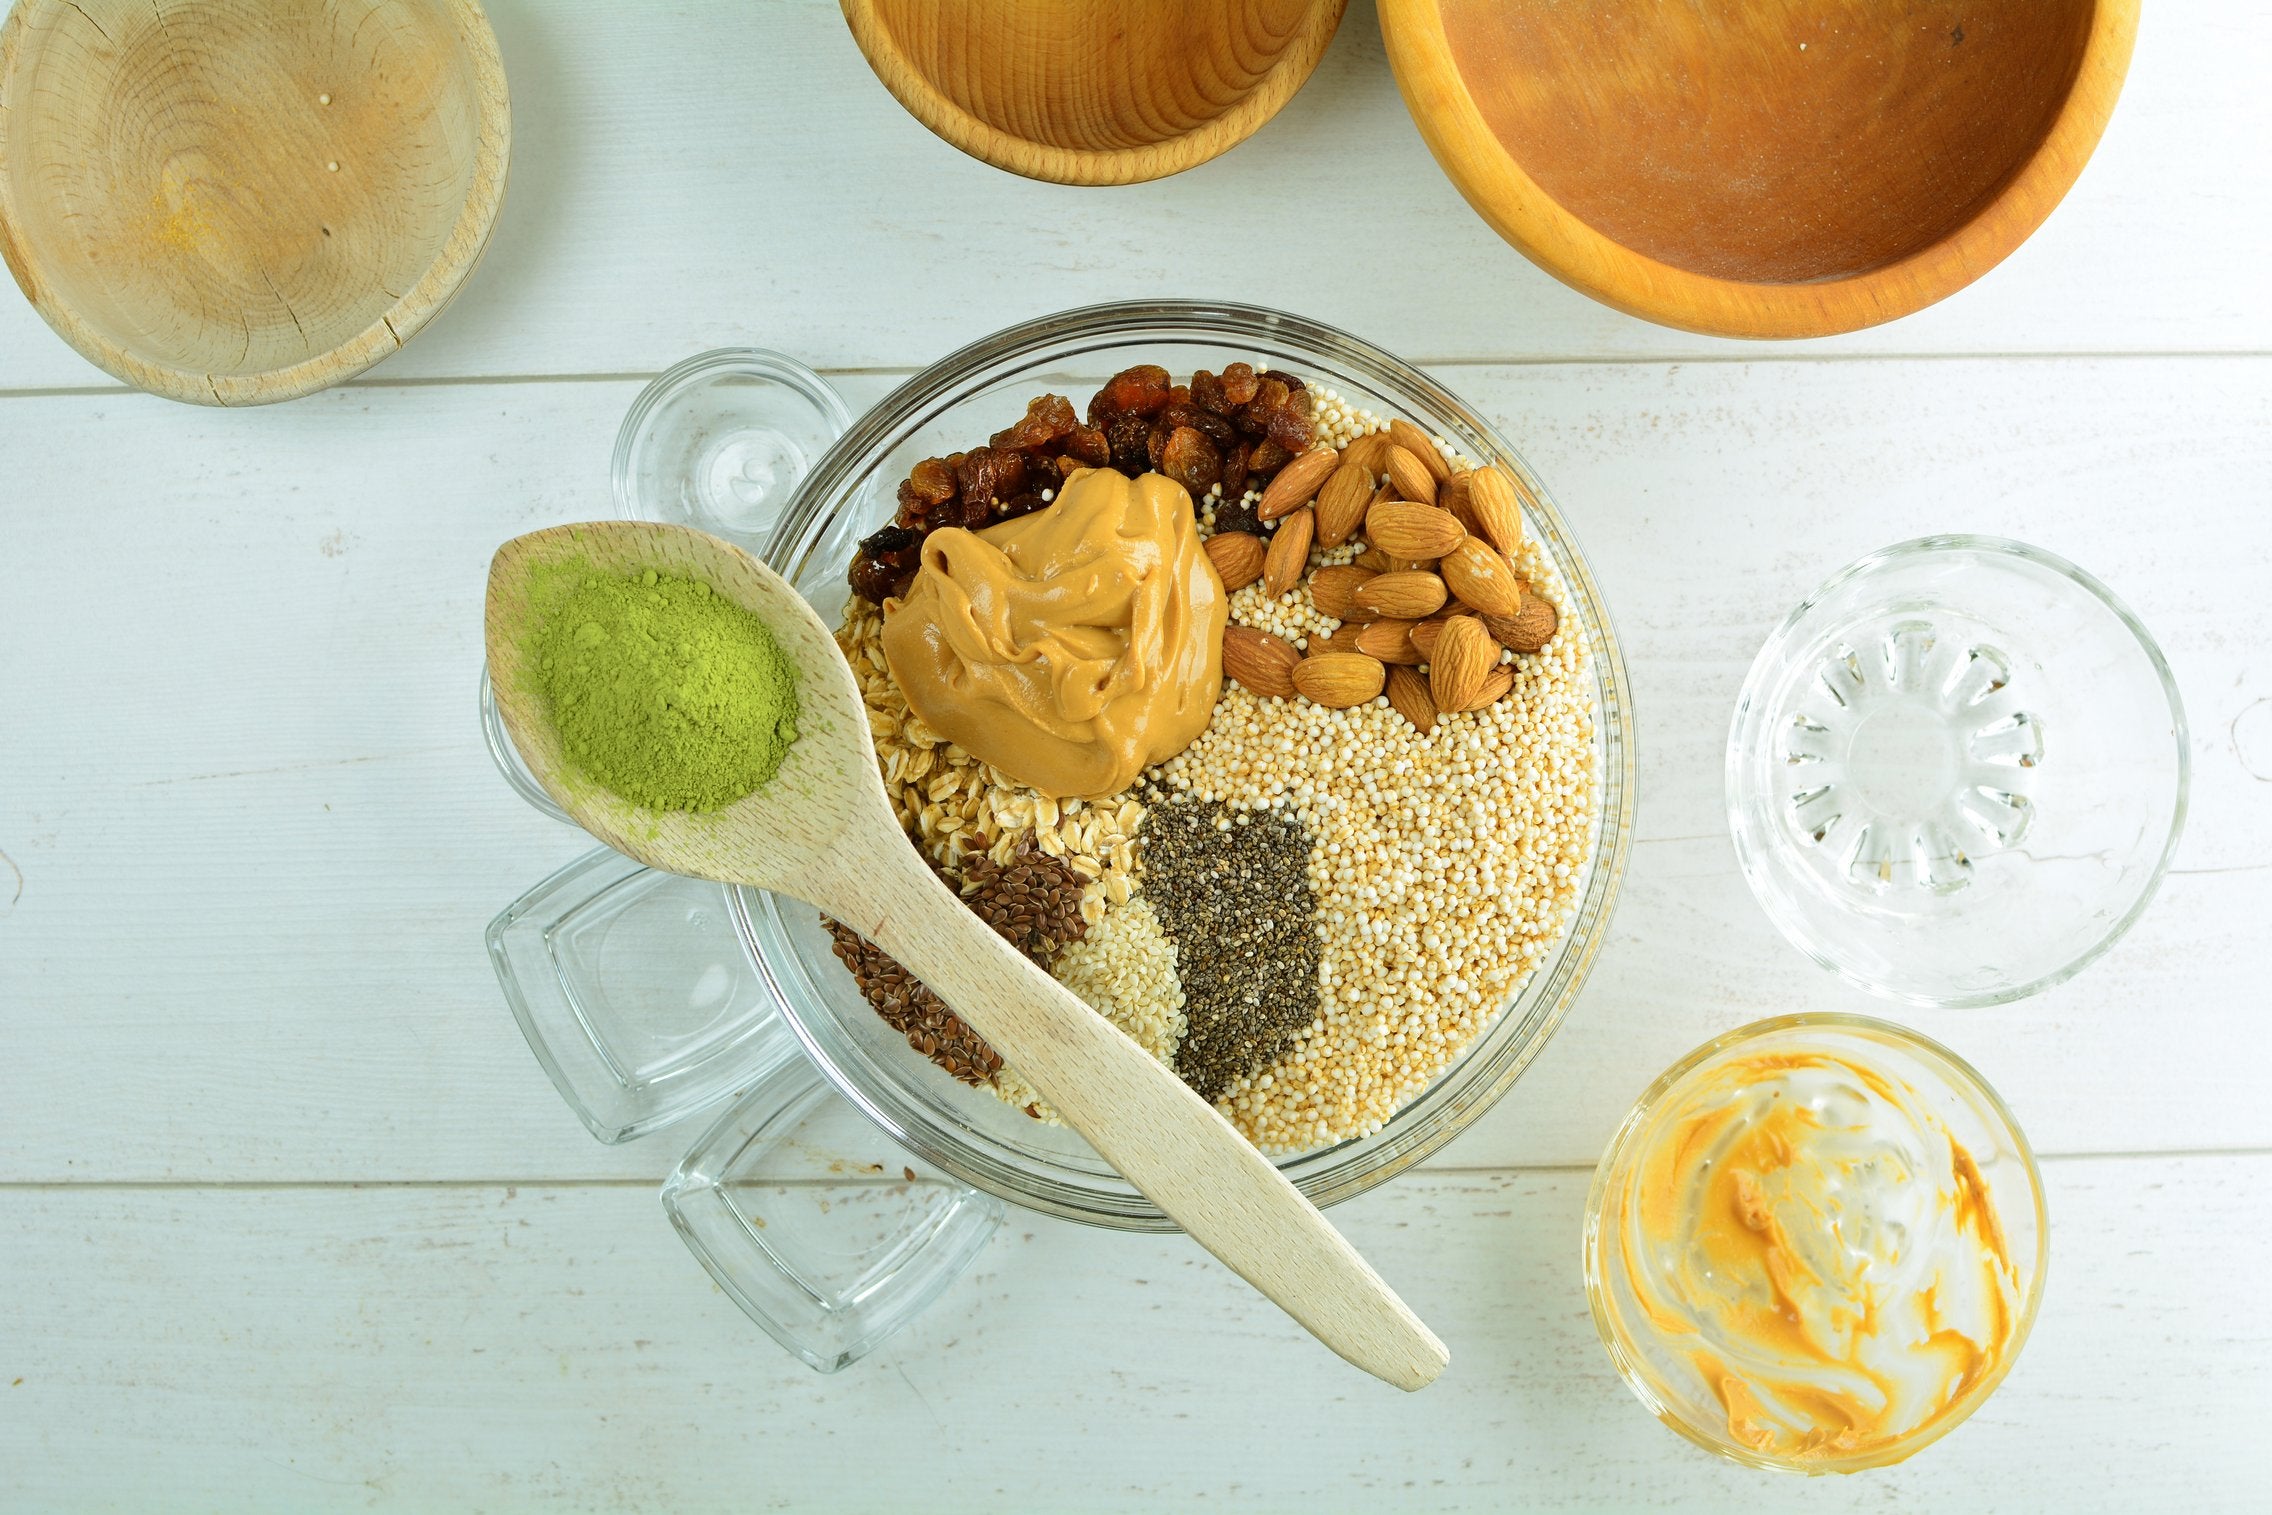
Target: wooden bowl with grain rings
1775	168
231	202
1093	91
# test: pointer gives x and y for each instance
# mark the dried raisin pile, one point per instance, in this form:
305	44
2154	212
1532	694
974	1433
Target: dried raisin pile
1000	481
1230	431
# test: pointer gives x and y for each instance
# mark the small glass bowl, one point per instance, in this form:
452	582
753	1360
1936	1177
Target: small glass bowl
1957	771
721	441
1660	1373
967	396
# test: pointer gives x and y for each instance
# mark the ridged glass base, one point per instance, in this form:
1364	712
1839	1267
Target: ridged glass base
1957	771
1911	756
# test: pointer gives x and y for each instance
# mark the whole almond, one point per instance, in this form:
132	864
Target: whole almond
1338	680
1369	452
1452	495
1296	484
1530	627
1424	634
1289	552
1344	639
1416	442
1331	588
1237	556
1374	560
1390	641
1398	597
1495	686
1410	477
1408	694
1342	503
1404	530
1480	579
1264	664
1492	500
1463	659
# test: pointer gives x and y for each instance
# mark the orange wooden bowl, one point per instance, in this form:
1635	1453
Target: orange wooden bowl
1770	168
1093	91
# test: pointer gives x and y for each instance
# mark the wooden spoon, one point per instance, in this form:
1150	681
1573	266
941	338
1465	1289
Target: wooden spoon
823	831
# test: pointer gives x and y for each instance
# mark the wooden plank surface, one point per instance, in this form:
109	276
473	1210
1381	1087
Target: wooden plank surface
258	835
685	176
483	1347
289	1217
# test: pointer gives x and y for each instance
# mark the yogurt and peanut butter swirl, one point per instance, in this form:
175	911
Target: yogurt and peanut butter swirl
1809	1234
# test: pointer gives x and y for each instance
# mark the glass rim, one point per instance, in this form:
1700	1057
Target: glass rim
749	362
1750	857
1451	1102
1966	1078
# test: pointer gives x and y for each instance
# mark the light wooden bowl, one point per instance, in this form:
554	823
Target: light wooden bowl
238	201
1093	91
1776	168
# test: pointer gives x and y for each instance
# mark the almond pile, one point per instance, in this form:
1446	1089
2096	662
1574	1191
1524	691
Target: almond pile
1426	608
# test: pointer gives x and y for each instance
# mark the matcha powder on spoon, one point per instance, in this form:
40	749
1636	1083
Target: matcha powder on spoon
673	697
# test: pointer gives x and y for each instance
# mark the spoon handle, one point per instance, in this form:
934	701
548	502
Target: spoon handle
1145	1121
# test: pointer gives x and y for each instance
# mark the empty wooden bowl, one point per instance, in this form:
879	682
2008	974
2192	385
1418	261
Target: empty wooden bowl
238	201
1093	91
1777	168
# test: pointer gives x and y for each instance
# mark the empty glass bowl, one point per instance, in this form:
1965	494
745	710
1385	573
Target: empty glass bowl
1957	771
721	441
1816	1244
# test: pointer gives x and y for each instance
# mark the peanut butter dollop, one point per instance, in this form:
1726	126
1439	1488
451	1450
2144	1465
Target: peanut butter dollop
1071	648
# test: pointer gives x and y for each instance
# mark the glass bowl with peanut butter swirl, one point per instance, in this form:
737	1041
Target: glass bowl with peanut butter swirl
1817	1243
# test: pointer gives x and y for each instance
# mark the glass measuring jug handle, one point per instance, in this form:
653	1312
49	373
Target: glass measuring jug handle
507	757
643	1006
641	1002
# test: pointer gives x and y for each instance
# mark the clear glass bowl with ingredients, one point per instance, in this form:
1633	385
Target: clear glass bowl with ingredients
958	403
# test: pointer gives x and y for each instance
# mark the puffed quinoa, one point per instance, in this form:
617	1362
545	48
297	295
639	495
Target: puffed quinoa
1443	867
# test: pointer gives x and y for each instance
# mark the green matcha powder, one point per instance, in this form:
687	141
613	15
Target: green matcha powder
673	697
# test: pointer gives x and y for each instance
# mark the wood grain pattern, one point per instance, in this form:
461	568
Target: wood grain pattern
1093	91
643	120
231	959
1781	169
822	830
230	967
233	203
524	1347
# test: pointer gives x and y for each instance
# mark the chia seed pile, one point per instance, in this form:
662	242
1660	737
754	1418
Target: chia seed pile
1232	891
1310	913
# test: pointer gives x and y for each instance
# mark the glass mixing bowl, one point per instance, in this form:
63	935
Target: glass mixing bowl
957	403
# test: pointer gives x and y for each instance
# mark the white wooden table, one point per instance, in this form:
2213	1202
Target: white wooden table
289	1217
